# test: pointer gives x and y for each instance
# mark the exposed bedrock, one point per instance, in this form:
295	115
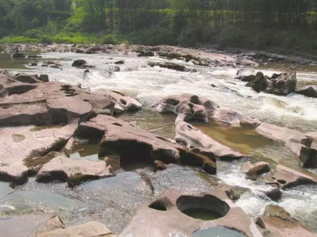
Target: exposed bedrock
166	215
55	102
131	144
277	222
189	107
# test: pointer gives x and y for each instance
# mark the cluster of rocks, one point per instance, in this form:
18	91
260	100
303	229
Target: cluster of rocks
279	84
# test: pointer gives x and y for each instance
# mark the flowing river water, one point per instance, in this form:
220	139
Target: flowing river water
113	201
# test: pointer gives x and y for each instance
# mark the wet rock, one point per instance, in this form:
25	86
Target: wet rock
288	178
189	135
275	194
308	157
309	91
159	165
79	63
114	68
33	64
246	75
253	171
18	55
166	215
277	222
282	84
235	193
72	171
90	229
119	62
132	145
169	65
52	64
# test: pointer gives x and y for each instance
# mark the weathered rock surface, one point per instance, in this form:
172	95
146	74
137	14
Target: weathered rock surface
55	102
132	144
253	171
189	135
166	215
22	148
279	84
192	107
90	229
309	91
277	222
25	78
286	177
72	171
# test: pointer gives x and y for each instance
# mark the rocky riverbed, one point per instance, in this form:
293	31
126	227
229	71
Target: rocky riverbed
103	140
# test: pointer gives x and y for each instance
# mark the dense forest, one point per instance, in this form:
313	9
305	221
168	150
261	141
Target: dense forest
290	24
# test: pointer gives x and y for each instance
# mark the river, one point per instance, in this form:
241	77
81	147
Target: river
113	201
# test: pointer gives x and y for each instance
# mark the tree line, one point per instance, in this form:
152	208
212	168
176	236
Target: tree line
156	21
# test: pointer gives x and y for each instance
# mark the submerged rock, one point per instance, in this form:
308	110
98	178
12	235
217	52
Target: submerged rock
18	55
277	222
72	171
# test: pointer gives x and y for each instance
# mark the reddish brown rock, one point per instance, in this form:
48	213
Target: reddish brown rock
277	222
253	171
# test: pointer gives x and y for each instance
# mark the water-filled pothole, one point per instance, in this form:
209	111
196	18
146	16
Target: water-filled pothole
85	152
207	207
218	231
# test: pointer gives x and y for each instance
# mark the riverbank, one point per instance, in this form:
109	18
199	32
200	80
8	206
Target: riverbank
141	147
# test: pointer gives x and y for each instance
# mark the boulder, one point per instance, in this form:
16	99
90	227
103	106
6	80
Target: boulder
79	63
190	136
169	65
166	215
308	157
132	145
89	229
260	82
309	91
246	75
274	194
72	171
277	222
253	171
25	78
119	62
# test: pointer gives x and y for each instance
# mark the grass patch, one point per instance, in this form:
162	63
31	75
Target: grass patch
12	39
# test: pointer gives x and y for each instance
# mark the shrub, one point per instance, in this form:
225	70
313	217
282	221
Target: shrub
110	39
11	39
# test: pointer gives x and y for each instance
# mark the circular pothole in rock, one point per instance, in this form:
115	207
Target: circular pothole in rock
206	208
218	231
